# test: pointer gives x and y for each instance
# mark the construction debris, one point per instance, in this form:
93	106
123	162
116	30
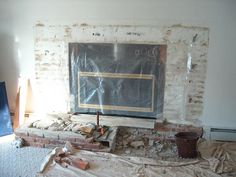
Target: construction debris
106	164
55	152
63	157
18	143
137	144
221	156
79	163
88	128
145	143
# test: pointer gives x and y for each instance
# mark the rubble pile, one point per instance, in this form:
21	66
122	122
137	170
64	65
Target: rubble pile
145	143
64	157
61	122
50	131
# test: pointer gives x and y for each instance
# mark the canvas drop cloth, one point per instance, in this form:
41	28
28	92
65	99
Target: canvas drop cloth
110	165
220	155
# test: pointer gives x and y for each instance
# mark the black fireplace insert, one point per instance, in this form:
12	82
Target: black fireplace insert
117	79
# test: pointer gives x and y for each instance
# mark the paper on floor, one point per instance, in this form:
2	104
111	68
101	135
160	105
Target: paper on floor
220	155
110	165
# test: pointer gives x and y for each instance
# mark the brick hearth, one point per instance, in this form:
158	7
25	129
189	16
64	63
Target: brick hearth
52	139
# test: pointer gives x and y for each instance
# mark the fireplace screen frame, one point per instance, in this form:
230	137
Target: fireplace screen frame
156	76
117	75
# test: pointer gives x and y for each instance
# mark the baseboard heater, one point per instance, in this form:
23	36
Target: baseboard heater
223	134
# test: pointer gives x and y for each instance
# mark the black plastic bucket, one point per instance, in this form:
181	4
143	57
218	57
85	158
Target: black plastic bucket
186	144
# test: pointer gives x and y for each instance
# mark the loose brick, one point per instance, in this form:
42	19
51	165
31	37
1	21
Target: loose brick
80	164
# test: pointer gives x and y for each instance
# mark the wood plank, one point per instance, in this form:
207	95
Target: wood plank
16	114
21	102
116	121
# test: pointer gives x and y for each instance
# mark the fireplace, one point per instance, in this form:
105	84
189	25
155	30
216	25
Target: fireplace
117	78
183	72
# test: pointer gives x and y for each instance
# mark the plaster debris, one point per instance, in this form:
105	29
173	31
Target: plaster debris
76	128
62	122
137	144
145	143
87	128
150	142
127	151
62	157
18	143
159	147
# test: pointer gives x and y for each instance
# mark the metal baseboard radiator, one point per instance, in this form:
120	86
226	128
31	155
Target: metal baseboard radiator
223	134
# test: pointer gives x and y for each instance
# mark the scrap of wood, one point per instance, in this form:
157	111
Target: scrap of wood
86	129
16	114
49	158
23	100
19	117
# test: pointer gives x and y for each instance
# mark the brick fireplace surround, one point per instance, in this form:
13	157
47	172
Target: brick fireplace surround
185	71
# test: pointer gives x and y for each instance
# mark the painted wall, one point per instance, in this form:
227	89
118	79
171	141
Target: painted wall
17	19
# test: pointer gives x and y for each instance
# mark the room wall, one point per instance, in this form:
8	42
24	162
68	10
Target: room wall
17	19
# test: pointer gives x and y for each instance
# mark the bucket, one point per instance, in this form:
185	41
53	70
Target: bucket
186	144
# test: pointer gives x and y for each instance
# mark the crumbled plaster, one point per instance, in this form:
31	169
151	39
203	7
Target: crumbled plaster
185	66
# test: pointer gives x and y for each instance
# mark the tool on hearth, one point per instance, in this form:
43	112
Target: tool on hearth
97	119
101	130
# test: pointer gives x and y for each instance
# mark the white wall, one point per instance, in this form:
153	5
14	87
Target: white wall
17	19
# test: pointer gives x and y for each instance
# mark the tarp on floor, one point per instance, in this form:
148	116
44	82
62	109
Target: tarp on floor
110	165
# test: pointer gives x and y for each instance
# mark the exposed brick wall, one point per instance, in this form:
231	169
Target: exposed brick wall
185	66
